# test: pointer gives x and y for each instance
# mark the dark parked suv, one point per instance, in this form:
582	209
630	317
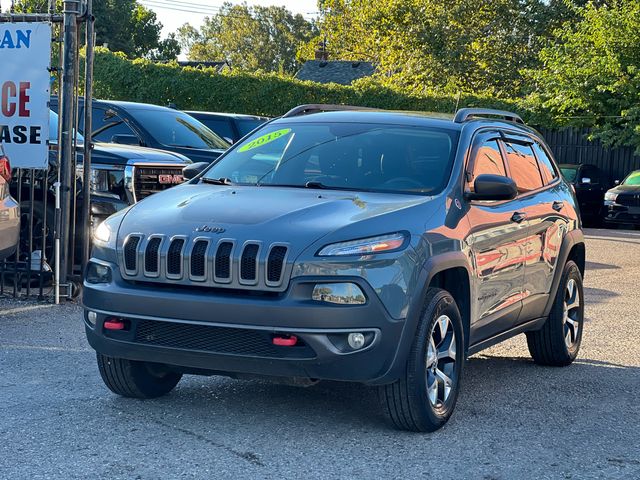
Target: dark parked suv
146	125
589	185
356	245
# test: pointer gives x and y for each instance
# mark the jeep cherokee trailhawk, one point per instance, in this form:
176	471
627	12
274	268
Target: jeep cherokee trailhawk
346	244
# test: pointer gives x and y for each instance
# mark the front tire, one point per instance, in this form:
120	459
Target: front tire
424	398
557	343
133	379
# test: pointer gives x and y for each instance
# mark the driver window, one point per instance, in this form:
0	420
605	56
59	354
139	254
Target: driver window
488	160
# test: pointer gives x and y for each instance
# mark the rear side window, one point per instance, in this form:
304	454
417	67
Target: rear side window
488	160
549	173
523	167
221	126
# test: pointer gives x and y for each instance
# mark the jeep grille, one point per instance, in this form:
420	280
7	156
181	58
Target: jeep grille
205	262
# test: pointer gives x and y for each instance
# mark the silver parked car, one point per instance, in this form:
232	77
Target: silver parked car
9	211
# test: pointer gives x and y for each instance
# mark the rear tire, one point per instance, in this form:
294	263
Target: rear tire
133	379
557	343
424	398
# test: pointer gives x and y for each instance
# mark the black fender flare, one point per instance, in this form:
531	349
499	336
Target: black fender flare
571	239
430	269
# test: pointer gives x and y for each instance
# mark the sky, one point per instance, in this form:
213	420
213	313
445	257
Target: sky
174	13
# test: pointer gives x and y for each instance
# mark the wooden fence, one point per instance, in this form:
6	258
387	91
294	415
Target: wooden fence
570	145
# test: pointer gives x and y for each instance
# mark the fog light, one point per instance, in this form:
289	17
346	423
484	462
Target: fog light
97	273
355	340
342	293
92	317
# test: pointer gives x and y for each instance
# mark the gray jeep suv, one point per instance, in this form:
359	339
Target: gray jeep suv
345	244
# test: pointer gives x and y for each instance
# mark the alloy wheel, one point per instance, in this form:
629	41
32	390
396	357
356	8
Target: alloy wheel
441	361
571	313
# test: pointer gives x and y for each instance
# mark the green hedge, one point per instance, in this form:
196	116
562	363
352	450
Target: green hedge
117	78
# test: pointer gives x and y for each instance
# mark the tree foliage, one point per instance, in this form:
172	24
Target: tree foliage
467	45
123	25
591	73
250	38
270	94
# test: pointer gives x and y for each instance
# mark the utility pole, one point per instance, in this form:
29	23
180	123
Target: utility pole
66	153
86	165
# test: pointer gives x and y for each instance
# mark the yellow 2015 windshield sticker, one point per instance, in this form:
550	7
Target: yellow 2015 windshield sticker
264	139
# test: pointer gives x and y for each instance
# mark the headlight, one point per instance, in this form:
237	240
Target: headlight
365	246
100	179
97	273
102	234
611	196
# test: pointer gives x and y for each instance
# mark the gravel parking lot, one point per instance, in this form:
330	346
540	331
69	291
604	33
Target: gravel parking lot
513	420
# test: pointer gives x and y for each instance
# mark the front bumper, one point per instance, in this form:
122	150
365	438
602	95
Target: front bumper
622	214
224	332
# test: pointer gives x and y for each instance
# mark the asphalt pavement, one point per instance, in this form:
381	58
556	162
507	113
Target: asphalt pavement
514	420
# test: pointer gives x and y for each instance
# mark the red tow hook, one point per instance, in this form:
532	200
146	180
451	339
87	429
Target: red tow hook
285	340
114	324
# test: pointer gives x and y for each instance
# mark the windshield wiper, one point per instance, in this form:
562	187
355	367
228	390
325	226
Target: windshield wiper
218	181
318	185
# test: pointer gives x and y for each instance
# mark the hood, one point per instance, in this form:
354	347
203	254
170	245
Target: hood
111	151
268	214
621	189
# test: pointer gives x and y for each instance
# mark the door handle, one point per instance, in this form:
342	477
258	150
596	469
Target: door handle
557	206
518	217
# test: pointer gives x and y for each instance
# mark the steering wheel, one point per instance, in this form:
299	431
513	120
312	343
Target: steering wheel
403	181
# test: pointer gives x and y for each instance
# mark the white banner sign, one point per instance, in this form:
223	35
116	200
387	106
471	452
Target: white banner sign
25	52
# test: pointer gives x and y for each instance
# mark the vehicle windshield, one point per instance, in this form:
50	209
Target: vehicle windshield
177	129
569	173
53	129
633	179
364	157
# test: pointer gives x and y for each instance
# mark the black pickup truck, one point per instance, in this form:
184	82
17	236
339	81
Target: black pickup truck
146	125
121	175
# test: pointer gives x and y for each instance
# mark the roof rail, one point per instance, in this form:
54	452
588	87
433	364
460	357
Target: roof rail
465	114
318	108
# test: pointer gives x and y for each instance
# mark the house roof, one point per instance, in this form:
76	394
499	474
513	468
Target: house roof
337	71
196	64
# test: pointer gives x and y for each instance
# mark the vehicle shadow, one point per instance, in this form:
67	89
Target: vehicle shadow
493	387
600	266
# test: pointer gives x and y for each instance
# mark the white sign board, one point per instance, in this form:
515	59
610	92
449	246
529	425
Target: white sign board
25	52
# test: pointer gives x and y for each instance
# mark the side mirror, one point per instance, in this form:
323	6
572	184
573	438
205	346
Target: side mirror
617	182
586	181
493	187
193	170
126	140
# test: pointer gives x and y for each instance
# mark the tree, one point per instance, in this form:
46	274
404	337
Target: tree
591	73
124	25
250	38
468	45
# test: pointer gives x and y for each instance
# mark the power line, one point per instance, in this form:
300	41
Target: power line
189	7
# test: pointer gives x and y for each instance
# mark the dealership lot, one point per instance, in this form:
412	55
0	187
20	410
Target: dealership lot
514	419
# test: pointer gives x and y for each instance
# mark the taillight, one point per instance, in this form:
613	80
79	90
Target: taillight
5	168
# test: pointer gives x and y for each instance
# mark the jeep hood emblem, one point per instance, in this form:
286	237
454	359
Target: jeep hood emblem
210	229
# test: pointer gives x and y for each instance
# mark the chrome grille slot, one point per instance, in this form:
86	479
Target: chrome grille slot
275	264
152	257
174	258
131	254
249	263
222	270
198	260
